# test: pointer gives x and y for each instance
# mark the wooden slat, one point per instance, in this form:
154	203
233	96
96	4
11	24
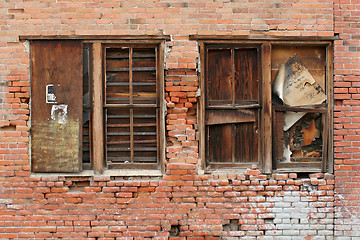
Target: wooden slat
128	142
87	108
131	79
56	134
266	110
226	166
304	165
220	143
233	83
245	105
131	136
246	75
130	105
278	136
201	110
219	79
229	116
98	130
246	142
114	165
320	108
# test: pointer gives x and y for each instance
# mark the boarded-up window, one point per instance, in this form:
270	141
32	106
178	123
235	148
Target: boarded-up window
301	107
56	105
232	106
96	105
266	101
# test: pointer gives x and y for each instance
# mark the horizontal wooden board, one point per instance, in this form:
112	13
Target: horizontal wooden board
229	116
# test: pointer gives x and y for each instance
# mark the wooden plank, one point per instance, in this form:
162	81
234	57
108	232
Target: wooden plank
304	165
56	123
87	108
266	110
246	75
131	77
246	105
328	152
246	142
149	166
132	135
229	116
130	105
227	166
148	38
219	79
253	37
233	77
220	143
318	108
98	129
201	110
278	136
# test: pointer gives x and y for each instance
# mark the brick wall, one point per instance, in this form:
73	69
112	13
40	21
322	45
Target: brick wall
181	204
347	77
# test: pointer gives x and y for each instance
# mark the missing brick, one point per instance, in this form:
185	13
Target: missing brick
78	185
308	188
302	175
174	230
233	225
8	128
269	221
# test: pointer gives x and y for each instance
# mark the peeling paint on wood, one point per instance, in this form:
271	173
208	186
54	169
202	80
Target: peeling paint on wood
57	146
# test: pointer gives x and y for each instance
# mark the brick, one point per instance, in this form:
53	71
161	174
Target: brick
140	207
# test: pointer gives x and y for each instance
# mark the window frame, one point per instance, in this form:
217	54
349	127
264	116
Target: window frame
98	155
266	162
97	79
245	105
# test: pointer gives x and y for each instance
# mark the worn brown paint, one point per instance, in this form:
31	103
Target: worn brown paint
56	145
232	86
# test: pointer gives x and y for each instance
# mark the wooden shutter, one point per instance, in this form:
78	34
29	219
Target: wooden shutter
132	107
56	106
232	106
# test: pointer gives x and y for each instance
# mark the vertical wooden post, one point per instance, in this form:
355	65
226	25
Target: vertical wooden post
266	108
98	129
201	115
162	102
328	158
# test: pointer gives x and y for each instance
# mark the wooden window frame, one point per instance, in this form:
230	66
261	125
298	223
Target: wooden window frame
99	154
266	161
96	57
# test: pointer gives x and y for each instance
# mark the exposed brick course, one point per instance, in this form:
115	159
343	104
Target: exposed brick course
183	203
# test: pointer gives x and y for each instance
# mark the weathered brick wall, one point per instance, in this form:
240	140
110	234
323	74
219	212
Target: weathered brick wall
346	89
182	203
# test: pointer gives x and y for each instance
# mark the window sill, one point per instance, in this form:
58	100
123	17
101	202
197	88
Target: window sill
115	173
225	171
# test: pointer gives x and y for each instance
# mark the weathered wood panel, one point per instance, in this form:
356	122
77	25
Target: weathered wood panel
220	143
219	75
246	74
132	111
229	116
246	142
56	126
